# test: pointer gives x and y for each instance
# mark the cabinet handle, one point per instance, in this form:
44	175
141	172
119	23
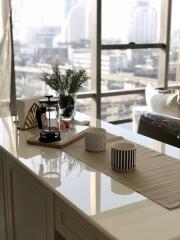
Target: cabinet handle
61	218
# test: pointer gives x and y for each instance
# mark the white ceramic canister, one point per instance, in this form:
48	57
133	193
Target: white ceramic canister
95	139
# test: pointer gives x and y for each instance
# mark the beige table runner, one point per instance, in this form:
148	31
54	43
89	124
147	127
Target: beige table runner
157	176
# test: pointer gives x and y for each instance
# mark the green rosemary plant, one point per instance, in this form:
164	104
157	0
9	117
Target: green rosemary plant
68	82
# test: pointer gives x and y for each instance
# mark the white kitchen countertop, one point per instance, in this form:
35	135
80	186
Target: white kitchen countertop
111	206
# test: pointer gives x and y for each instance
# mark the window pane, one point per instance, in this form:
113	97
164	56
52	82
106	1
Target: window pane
131	21
129	69
49	32
120	107
28	83
174	64
85	105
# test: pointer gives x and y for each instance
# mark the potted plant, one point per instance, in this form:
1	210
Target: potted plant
66	84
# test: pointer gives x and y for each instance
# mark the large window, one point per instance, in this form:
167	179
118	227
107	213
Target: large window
134	47
130	48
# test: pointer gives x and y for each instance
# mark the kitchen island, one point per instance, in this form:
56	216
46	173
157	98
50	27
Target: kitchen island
46	194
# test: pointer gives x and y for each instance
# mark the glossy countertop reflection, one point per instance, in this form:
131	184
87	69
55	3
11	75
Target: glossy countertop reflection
120	211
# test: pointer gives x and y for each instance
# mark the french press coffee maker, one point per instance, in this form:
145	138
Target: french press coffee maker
50	127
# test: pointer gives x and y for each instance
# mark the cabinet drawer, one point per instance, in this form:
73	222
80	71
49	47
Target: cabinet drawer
72	226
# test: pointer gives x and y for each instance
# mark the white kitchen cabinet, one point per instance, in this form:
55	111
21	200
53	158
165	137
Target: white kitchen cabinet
73	226
3	230
30	204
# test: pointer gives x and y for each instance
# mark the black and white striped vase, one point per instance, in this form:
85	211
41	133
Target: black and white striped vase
123	156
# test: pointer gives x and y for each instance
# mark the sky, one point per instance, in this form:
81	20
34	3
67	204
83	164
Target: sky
50	11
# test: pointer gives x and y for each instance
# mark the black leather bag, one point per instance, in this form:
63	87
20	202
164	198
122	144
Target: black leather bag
160	127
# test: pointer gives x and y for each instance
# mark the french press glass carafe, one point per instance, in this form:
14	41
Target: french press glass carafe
50	126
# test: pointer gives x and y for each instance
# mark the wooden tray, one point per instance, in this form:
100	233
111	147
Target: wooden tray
67	137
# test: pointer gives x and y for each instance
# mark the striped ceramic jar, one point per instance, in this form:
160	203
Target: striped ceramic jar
123	156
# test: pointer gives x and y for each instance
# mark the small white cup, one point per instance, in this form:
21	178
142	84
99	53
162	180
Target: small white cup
95	139
123	156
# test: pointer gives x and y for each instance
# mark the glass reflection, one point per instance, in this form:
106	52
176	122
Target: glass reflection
119	188
50	167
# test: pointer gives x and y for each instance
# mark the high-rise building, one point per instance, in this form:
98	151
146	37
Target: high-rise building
68	4
76	26
78	23
144	23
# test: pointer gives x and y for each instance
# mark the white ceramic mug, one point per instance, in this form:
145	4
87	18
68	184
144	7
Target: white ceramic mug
123	156
95	139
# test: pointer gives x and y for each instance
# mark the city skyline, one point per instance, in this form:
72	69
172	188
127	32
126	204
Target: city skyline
54	12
